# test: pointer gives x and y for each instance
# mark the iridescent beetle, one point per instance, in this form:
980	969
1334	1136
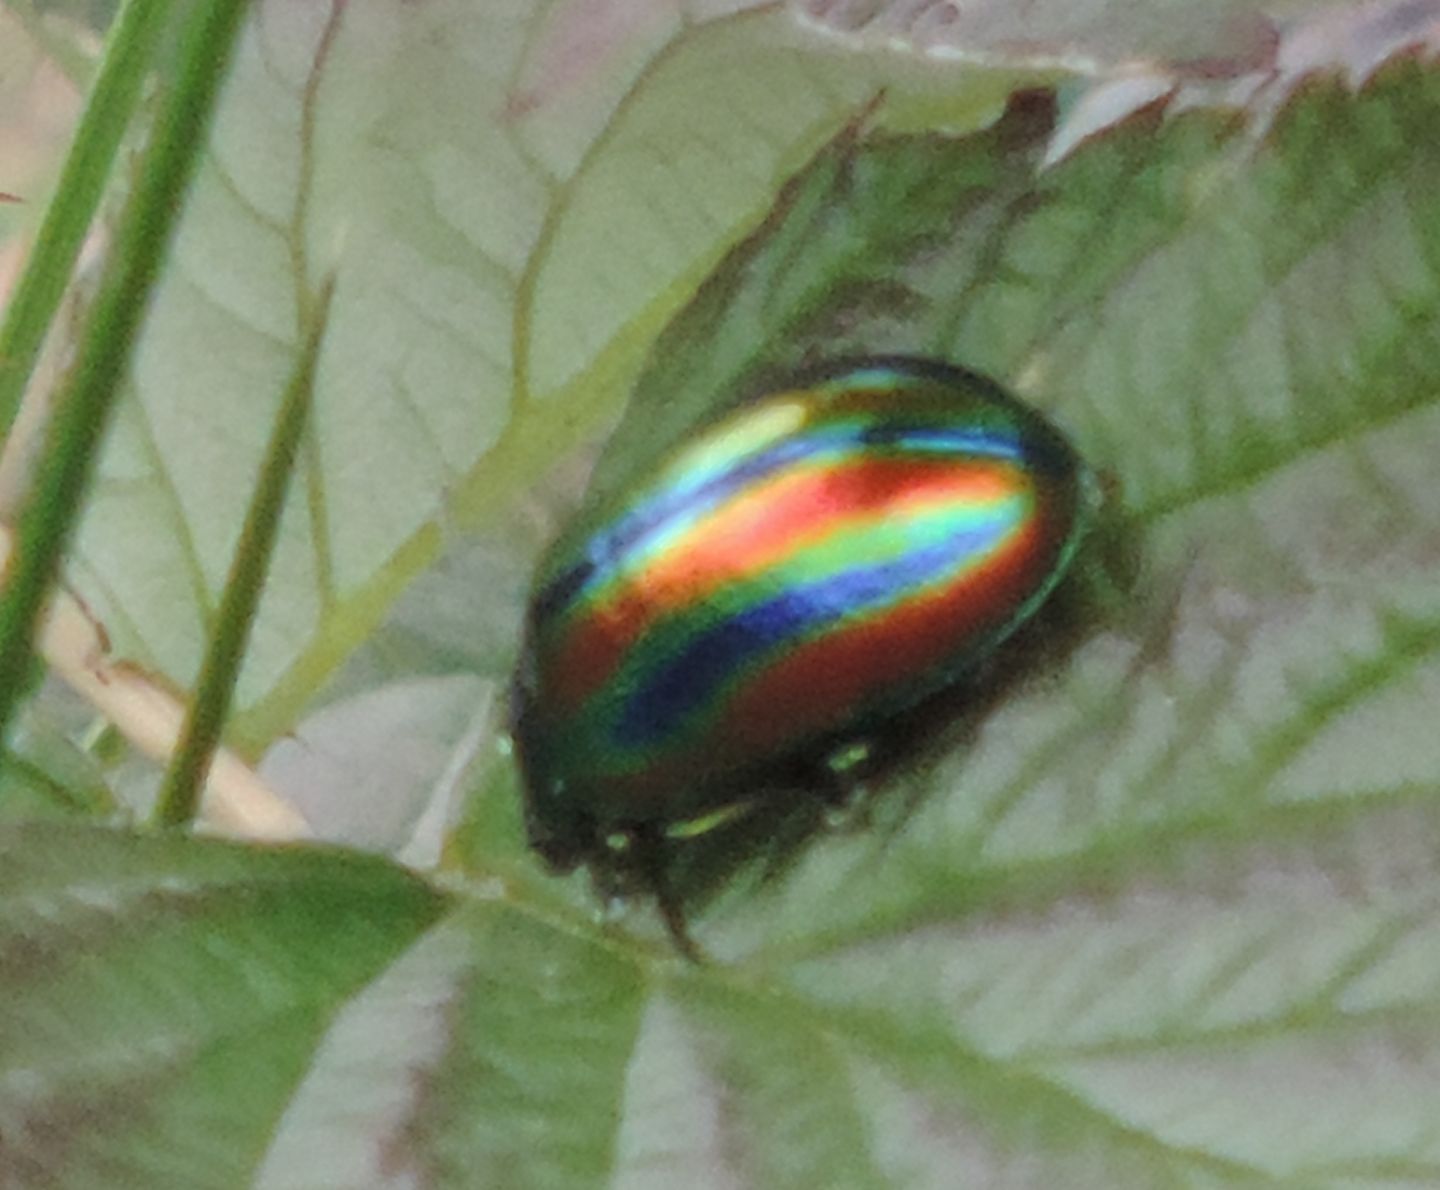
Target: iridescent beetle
794	577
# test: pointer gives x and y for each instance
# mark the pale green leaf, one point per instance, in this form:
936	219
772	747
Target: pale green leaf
1155	908
163	997
509	209
1214	37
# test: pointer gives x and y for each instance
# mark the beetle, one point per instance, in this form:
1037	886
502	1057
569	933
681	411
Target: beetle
792	579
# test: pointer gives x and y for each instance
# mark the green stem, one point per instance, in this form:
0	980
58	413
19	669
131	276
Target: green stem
180	795
128	51
82	406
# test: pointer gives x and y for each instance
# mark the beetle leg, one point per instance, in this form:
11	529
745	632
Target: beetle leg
635	859
648	855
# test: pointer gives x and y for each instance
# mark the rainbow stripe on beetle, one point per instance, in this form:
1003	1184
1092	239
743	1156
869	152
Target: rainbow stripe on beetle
796	575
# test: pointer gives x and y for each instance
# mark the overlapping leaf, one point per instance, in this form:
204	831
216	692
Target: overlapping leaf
502	212
163	997
1190	853
1165	913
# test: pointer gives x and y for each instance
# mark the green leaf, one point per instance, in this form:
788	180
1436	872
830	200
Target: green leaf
544	1027
827	274
1157	908
164	996
1214	37
45	775
1183	846
380	769
725	113
505	251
